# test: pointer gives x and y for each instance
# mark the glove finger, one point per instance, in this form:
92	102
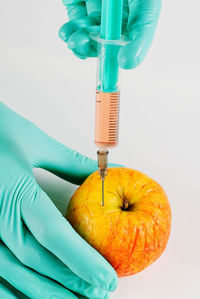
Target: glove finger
72	26
80	43
33	255
28	281
5	293
131	55
143	12
94	9
67	163
142	22
60	160
75	8
78	8
78	55
57	158
14	292
55	233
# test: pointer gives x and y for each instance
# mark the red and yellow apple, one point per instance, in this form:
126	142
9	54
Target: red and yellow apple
132	229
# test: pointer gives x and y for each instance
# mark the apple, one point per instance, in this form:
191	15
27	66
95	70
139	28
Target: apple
131	230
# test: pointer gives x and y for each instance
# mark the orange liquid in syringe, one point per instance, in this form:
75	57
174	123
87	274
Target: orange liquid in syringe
107	119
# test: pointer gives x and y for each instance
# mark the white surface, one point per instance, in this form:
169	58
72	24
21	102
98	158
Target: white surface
159	121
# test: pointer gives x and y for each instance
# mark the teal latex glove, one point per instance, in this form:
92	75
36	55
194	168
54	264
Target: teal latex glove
41	255
140	18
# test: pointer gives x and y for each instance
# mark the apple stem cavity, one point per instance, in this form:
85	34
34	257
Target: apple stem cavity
125	205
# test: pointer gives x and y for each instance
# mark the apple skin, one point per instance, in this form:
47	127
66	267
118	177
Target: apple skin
132	229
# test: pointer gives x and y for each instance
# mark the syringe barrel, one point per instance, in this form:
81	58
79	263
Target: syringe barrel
107	95
107	119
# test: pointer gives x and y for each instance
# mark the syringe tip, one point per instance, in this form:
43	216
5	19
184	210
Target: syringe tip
102	164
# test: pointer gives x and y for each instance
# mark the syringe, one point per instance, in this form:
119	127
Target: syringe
107	92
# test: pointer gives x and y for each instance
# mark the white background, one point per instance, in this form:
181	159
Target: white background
159	120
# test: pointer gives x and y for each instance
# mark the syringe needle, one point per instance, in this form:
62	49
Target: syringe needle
102	202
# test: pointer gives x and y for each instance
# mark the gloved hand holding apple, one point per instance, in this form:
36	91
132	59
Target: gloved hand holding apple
130	231
40	253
